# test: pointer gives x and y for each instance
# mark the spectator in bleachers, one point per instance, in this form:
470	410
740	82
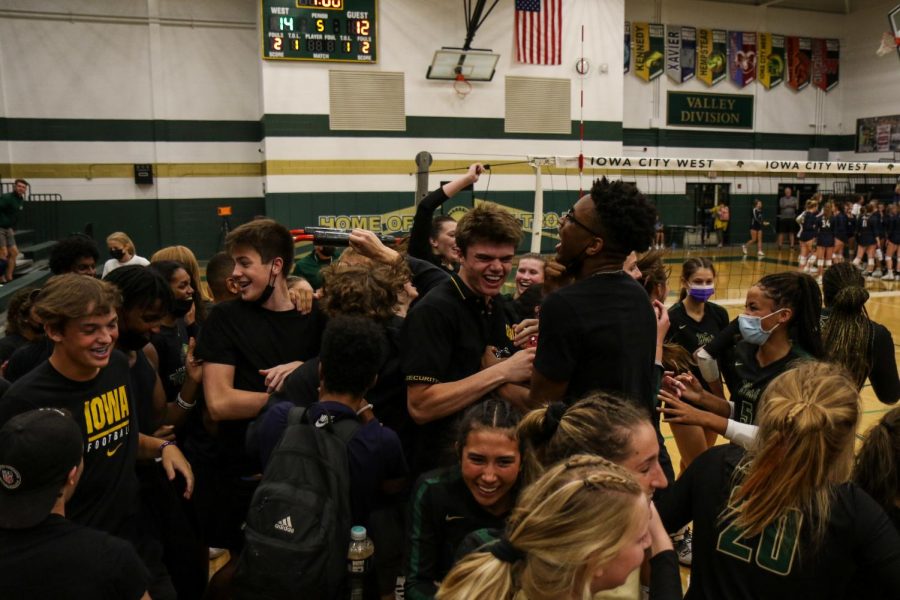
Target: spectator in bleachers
123	253
74	254
10	205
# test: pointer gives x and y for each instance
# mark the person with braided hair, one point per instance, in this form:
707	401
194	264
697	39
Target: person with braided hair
864	347
582	527
477	493
783	520
603	424
780	325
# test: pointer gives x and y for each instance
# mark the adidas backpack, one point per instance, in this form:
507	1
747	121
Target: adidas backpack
298	526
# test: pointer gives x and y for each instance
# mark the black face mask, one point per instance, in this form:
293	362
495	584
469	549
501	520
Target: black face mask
270	288
117	253
129	340
181	307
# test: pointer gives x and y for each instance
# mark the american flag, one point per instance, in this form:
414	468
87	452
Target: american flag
539	32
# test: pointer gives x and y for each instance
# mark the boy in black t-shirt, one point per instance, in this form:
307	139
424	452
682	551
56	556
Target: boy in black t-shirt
600	331
42	554
89	378
249	346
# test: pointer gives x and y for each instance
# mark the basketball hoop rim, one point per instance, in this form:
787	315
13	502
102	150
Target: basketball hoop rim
462	86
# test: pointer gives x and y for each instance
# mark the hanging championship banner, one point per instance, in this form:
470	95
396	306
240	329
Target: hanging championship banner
688	53
825	58
799	61
627	46
742	57
770	56
712	55
681	51
649	45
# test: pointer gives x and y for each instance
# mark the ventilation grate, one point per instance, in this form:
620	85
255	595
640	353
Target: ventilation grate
538	105
366	101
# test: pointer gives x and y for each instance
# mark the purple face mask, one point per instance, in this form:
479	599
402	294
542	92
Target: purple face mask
701	293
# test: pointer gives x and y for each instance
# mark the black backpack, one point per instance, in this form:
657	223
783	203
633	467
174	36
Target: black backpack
298	526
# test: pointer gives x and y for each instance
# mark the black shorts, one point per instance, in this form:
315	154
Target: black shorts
755	227
807	236
787	225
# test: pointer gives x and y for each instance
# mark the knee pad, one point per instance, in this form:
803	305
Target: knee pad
828	263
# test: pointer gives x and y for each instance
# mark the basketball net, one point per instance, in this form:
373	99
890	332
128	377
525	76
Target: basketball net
461	86
888	43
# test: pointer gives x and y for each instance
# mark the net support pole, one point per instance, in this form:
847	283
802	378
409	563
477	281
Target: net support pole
423	163
537	220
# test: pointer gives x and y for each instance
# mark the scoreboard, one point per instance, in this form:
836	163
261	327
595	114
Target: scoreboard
319	30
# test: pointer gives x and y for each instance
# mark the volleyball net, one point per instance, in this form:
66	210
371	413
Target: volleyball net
689	194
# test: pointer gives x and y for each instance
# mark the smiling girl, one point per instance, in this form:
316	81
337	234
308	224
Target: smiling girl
583	527
449	503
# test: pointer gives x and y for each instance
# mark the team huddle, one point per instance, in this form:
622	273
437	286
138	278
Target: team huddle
461	442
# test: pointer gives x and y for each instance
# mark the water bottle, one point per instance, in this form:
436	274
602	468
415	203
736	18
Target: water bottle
359	563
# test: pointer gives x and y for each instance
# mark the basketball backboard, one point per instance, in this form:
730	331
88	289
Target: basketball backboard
894	20
473	65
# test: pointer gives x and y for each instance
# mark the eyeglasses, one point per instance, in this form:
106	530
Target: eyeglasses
570	216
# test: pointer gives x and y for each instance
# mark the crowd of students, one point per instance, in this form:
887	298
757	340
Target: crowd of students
492	445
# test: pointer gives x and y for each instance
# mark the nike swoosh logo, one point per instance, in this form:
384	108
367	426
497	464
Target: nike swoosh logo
739	364
113	451
682	326
452	517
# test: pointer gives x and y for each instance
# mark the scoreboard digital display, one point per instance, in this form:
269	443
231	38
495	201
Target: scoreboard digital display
319	30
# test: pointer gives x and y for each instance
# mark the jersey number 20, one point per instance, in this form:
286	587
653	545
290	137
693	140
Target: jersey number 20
776	548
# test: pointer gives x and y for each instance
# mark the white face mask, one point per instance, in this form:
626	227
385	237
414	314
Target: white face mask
752	330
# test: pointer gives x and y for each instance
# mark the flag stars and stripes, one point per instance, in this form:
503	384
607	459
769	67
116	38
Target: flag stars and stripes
539	32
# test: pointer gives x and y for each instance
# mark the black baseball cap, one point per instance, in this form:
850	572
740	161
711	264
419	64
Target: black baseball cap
37	450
